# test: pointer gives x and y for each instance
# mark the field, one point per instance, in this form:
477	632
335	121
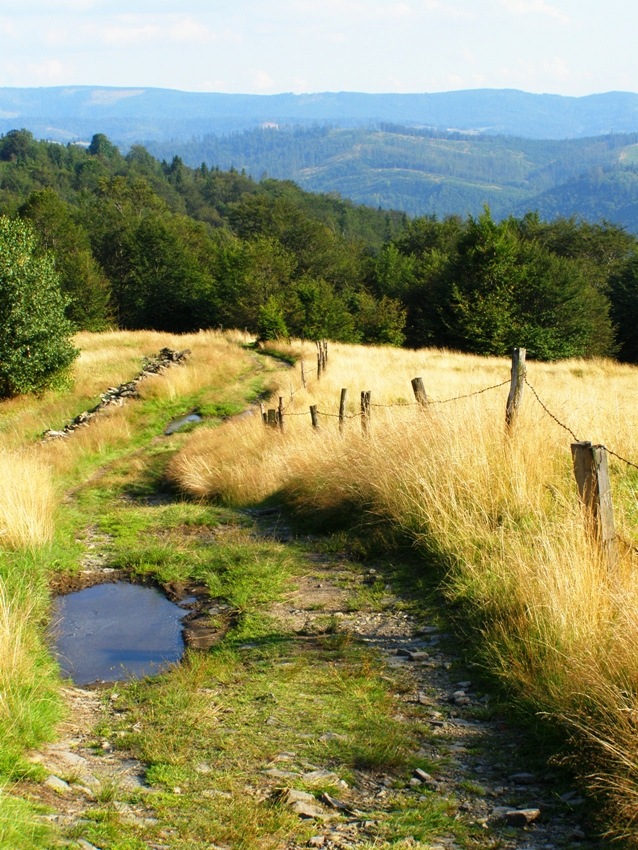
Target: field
495	516
492	516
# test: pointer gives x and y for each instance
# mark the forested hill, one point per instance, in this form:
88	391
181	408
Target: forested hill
432	172
142	243
444	153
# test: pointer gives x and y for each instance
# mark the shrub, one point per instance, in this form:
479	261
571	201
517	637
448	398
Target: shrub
35	336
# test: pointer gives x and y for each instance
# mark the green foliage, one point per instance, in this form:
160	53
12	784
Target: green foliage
380	321
161	245
271	324
35	344
624	309
82	280
487	287
321	314
102	146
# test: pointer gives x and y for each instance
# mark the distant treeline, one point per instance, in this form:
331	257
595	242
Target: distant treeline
139	243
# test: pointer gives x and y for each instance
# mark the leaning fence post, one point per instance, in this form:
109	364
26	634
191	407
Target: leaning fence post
303	376
519	371
419	391
342	409
365	411
594	488
314	417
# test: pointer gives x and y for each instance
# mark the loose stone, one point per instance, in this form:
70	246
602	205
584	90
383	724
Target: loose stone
421	775
521	817
523	778
57	784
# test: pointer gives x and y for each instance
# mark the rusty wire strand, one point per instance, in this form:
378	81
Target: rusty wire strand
551	415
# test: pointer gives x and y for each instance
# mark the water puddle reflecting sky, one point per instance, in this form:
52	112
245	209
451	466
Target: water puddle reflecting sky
111	632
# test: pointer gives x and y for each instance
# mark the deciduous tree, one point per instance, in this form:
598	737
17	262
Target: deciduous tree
35	335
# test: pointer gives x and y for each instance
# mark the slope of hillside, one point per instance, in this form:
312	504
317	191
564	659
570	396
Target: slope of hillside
442	153
427	172
332	706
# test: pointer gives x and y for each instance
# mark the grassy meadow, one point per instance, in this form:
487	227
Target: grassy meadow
493	517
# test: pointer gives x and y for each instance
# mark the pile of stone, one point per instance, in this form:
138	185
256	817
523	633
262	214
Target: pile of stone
118	395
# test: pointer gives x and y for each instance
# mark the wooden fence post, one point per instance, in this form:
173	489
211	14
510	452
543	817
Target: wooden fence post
592	477
365	411
303	376
280	414
519	371
272	417
264	415
342	410
319	359
419	391
314	417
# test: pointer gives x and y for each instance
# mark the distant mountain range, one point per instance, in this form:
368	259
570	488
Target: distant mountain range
423	153
127	115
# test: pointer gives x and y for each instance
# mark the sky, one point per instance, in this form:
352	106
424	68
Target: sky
568	47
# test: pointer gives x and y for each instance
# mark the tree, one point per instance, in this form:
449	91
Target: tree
624	308
16	146
271	323
379	321
482	280
82	281
321	313
103	147
163	286
250	273
35	336
504	292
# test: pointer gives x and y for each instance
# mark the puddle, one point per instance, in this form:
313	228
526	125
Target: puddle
176	424
111	632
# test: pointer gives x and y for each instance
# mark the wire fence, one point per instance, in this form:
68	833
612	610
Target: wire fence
285	411
590	461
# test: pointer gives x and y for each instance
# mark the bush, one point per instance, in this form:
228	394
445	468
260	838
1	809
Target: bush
35	336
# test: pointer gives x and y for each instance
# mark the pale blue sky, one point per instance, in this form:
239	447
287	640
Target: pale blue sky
573	47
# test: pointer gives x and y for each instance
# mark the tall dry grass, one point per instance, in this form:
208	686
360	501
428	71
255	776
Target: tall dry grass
27	501
33	472
498	514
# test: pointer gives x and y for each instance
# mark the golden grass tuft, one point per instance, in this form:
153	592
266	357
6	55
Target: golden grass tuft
27	501
16	639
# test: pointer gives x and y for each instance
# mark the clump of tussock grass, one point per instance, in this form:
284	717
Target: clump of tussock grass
27	501
28	706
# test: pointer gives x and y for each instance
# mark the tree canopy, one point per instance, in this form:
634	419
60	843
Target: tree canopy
139	243
35	345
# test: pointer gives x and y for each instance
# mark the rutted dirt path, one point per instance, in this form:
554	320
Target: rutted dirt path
479	761
480	765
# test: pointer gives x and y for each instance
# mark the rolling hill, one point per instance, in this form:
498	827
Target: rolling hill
443	153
